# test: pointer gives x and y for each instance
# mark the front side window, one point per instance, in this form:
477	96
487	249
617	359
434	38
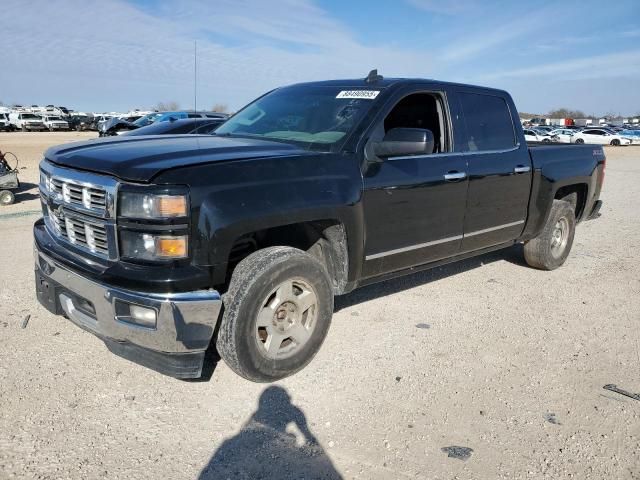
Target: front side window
315	117
419	110
489	123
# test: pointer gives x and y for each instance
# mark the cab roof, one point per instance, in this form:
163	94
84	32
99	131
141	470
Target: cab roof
389	82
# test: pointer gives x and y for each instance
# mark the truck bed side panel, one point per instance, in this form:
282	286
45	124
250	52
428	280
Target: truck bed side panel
559	166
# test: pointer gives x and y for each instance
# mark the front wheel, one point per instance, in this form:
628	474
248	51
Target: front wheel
615	142
551	247
579	141
277	313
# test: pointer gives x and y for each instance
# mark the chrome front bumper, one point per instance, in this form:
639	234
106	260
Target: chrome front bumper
176	346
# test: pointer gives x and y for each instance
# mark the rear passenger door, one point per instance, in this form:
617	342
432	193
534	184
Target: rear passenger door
499	170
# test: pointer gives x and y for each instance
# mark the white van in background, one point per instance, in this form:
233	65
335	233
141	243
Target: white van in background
26	121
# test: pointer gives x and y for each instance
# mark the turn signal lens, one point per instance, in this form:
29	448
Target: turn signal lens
171	247
139	205
146	246
172	206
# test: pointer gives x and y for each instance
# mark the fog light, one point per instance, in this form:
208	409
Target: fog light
142	315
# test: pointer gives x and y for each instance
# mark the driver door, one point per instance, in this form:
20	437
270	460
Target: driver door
414	205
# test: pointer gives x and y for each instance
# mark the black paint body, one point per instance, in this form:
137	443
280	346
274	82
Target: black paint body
238	186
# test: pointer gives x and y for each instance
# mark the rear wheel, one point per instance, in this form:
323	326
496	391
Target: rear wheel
615	142
551	247
6	197
277	313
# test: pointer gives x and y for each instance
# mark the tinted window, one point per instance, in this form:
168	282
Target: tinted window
488	121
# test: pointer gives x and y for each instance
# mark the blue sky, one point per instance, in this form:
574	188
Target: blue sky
116	54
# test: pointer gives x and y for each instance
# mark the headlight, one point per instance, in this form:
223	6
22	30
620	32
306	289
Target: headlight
148	206
147	246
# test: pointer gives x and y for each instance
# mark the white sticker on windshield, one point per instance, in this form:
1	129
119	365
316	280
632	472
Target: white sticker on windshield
364	94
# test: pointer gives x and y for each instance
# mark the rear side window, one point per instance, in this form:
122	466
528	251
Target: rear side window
488	121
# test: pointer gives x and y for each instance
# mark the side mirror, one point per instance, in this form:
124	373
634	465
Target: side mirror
405	141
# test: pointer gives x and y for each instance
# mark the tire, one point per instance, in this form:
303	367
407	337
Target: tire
551	247
546	140
6	197
24	128
260	307
579	141
615	142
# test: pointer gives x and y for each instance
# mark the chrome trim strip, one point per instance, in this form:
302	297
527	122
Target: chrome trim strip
493	229
413	247
456	154
442	240
522	169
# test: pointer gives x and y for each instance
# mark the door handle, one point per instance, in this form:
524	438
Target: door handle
453	176
521	169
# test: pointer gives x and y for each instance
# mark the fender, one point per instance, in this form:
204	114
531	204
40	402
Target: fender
235	198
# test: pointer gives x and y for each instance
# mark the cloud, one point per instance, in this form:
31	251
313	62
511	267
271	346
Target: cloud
117	55
624	64
483	36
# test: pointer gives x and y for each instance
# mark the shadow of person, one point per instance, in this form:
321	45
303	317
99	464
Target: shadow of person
264	449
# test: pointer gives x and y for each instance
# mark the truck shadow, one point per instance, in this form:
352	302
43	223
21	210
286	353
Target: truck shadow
397	285
265	449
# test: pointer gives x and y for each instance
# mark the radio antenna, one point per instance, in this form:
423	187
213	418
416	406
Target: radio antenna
195	76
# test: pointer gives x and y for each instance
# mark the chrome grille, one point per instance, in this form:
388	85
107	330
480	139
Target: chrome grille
91	235
79	209
89	197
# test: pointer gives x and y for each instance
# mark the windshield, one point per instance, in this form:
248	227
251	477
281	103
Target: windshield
53	118
315	116
30	116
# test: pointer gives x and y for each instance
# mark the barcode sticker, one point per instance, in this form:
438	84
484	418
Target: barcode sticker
364	94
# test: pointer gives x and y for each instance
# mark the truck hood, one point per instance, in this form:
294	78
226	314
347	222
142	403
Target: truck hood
139	159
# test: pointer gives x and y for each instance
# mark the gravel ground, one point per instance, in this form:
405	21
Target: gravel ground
481	369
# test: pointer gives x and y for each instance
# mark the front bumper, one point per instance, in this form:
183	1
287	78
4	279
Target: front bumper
175	347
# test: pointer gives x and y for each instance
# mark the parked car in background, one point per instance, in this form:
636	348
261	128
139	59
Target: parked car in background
120	126
540	135
80	122
148	119
531	135
4	122
193	126
166	116
55	123
117	124
633	135
26	121
600	136
562	135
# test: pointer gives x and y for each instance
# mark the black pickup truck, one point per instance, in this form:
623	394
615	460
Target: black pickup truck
167	246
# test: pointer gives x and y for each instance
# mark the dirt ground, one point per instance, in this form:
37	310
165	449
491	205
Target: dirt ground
481	369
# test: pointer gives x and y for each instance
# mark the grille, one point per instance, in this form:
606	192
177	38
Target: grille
91	235
92	198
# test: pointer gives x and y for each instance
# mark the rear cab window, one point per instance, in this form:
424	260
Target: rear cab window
488	123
